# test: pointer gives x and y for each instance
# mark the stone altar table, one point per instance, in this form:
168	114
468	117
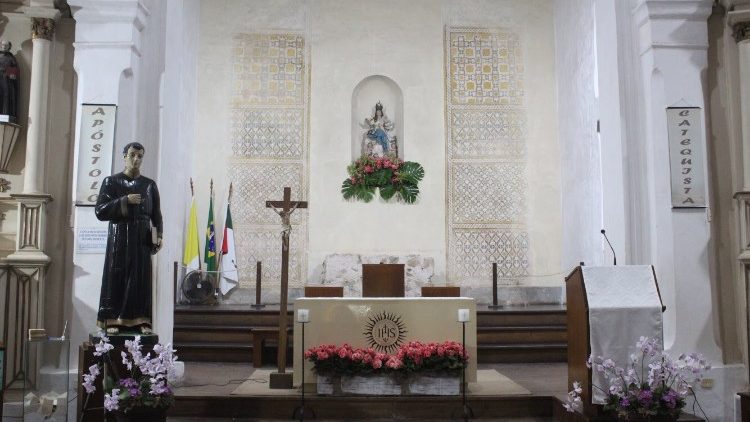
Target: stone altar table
360	322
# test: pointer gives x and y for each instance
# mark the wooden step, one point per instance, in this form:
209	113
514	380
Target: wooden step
522	316
191	333
219	316
365	408
214	352
522	353
522	334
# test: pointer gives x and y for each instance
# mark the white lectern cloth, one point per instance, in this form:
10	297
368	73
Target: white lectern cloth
623	306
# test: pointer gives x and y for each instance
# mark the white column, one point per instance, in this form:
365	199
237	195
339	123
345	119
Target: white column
42	28
673	45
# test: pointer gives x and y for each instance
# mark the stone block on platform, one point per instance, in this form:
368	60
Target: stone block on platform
434	385
371	385
346	270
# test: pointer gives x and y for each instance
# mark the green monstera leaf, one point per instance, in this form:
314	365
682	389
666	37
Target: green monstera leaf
387	192
409	192
357	191
411	172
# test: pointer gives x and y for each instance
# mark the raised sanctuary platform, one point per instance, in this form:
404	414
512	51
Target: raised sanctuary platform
523	392
513	334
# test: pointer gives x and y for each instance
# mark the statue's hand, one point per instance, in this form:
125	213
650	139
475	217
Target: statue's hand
134	198
159	244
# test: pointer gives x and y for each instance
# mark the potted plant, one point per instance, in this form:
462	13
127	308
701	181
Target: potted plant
433	368
387	174
354	370
651	387
144	393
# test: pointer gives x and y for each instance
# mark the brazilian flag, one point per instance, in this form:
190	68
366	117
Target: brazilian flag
209	253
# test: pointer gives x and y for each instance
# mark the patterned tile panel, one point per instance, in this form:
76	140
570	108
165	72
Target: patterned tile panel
256	183
268	133
486	149
268	69
488	193
481	133
264	244
474	250
485	67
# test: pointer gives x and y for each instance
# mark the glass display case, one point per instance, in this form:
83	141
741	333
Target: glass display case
46	380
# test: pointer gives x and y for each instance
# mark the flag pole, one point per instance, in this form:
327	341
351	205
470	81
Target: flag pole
200	267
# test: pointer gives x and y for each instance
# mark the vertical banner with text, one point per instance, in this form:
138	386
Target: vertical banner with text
686	152
95	150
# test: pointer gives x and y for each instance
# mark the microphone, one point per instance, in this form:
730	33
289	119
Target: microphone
604	233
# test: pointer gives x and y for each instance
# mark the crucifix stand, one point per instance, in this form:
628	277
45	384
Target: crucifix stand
282	379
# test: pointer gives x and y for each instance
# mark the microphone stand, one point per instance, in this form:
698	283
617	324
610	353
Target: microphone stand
604	233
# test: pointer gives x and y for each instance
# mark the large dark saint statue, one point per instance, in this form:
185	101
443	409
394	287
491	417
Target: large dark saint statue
130	202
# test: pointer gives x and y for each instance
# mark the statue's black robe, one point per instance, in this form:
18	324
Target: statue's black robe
126	281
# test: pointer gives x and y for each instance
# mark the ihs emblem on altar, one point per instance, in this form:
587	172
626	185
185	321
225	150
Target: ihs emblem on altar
385	332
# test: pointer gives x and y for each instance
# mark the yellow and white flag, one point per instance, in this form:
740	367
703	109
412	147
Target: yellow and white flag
191	258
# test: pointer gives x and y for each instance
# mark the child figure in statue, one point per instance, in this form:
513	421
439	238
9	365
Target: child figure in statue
130	202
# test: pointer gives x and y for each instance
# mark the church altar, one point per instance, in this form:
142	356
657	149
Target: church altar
383	324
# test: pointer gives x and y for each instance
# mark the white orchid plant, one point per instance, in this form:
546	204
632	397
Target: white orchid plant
146	384
652	384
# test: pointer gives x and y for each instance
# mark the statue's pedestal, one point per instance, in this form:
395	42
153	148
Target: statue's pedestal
86	358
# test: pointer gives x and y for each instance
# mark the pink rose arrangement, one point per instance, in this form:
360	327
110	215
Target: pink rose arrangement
329	359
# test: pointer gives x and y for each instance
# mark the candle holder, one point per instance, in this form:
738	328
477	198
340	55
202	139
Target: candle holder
303	317
463	318
258	272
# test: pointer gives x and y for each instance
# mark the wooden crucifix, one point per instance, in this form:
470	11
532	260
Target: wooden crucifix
284	209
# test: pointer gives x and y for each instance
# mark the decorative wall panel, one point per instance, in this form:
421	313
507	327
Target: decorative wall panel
269	138
481	133
487	193
254	183
268	133
486	149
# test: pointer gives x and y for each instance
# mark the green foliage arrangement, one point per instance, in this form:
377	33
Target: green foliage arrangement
389	175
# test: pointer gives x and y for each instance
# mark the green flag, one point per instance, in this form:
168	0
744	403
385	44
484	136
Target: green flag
209	253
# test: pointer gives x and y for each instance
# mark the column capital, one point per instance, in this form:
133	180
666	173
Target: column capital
673	24
739	20
42	28
42	21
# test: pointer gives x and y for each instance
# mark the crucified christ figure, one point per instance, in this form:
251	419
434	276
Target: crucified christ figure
284	209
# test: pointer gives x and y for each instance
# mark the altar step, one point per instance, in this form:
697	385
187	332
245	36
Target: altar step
506	335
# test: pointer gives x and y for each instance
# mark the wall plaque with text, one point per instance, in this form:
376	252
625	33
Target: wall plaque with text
686	152
95	147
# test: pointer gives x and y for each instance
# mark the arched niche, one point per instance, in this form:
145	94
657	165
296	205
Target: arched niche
368	92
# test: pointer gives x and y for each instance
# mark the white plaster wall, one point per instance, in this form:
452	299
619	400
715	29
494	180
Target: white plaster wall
580	154
177	101
407	39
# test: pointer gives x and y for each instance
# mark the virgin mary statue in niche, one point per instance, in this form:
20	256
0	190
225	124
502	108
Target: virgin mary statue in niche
377	140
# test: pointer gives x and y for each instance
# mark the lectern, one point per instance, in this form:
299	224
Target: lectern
608	310
383	280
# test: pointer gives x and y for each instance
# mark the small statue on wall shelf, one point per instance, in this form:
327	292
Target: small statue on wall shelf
9	83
